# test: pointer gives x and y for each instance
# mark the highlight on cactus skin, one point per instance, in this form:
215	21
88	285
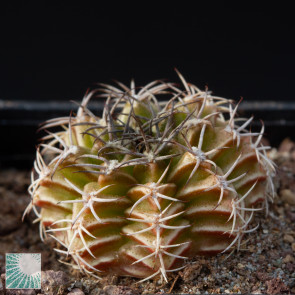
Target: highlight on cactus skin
151	182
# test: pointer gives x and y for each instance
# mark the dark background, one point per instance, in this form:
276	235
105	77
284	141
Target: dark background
55	51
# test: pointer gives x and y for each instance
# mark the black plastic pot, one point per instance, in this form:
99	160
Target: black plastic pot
19	122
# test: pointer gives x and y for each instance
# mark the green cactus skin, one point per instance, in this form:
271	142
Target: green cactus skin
151	182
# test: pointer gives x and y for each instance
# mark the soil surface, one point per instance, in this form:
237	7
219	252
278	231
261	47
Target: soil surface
264	265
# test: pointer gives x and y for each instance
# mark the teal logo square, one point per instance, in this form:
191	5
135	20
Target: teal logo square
23	271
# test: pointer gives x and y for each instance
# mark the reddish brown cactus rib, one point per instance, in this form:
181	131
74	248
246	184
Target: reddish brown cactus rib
149	183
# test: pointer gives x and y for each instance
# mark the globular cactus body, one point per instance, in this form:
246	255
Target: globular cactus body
151	182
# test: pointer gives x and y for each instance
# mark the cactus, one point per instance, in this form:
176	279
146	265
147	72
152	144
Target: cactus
150	183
